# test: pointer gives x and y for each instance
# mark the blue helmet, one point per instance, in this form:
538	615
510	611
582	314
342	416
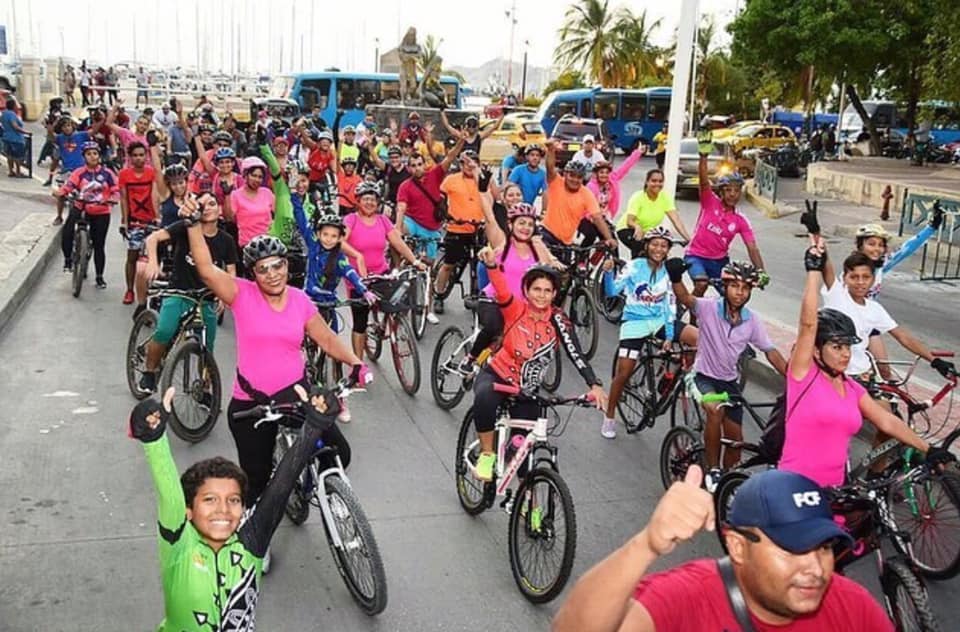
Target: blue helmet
731	178
224	153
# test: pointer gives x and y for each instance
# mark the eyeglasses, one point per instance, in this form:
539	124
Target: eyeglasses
264	269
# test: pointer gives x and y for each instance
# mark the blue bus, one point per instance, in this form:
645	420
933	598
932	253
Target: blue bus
632	116
350	91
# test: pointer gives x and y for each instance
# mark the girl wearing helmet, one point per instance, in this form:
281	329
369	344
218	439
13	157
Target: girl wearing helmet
250	206
649	310
271	320
718	223
533	328
516	254
605	182
368	232
825	406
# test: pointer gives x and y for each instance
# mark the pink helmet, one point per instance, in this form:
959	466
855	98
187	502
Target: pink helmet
523	209
252	162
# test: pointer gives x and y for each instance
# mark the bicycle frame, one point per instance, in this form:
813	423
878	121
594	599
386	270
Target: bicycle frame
536	432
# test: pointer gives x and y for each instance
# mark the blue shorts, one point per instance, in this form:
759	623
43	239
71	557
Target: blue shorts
416	230
705	269
706	384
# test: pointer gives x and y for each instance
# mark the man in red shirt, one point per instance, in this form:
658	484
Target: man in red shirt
136	208
781	537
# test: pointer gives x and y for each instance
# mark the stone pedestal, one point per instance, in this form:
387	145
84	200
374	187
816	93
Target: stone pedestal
28	90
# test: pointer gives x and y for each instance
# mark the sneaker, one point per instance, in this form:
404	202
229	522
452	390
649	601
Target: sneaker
128	297
609	429
344	417
466	366
437	306
712	479
101	284
266	562
148	382
67	265
485	463
432	318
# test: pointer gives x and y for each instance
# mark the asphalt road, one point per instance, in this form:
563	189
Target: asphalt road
77	543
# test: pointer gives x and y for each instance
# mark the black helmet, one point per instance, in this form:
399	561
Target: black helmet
348	160
835	326
741	271
175	172
471	154
261	247
540	271
330	220
223	137
367	188
575	166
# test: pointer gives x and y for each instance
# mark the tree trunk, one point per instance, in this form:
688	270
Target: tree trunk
913	98
871	127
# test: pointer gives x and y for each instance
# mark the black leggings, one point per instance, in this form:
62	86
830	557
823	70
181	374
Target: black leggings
255	446
491	326
487	401
626	238
361	314
99	225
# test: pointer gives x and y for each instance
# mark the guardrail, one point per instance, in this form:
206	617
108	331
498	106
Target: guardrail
765	177
941	254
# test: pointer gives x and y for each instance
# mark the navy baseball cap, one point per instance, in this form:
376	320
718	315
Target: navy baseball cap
790	509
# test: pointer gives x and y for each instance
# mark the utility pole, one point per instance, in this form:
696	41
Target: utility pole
693	76
523	82
689	9
376	54
512	16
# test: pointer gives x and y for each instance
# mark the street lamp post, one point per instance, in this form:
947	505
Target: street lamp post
376	55
512	16
523	84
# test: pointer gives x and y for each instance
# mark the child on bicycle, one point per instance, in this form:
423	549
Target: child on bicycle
726	327
650	310
212	564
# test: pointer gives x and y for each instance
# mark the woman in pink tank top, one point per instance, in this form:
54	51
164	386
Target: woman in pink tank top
824	406
251	206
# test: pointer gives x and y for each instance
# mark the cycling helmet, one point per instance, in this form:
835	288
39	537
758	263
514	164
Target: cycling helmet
469	153
522	209
540	271
349	129
206	127
252	162
367	188
325	135
602	164
261	247
835	326
223	137
730	178
224	153
740	271
872	230
393	150
348	160
658	233
175	172
91	144
576	167
533	147
331	220
64	119
298	166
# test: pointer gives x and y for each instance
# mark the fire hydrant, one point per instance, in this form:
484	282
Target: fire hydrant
887	195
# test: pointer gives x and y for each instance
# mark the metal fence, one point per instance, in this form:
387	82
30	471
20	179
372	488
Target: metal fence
765	177
941	254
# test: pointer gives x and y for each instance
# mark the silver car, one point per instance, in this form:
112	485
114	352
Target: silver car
688	174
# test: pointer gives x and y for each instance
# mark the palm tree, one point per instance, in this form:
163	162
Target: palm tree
587	40
635	57
430	56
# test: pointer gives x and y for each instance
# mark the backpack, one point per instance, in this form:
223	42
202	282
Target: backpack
774	435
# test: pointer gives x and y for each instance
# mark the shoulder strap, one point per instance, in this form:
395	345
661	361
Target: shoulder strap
809	384
423	189
734	596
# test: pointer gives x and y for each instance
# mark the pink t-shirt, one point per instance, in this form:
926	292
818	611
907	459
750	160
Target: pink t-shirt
269	341
716	229
126	138
370	239
819	428
514	267
253	215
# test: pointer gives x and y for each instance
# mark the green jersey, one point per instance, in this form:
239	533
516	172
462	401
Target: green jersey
284	226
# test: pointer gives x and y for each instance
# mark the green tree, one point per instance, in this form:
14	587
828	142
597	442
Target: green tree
636	60
567	80
587	39
430	56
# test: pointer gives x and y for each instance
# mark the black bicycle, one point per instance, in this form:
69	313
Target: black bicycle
576	286
422	285
82	248
321	368
473	247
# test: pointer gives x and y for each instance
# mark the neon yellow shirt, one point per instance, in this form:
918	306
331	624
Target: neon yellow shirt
661	140
648	213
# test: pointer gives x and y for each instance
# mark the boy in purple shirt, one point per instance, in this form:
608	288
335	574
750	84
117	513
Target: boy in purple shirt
726	328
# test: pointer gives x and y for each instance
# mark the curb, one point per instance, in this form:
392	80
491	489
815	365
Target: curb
768	208
17	288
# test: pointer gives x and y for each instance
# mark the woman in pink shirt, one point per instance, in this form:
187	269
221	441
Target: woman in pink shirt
271	320
824	406
368	232
251	206
605	182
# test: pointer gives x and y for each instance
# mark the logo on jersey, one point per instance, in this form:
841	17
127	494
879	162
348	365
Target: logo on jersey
806	499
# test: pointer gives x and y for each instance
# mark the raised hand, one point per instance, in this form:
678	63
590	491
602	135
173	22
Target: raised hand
684	511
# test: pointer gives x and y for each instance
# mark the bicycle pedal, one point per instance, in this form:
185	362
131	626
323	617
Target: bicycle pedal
507	503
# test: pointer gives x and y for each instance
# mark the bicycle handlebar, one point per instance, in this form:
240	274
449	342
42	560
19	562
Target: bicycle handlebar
586	399
292	412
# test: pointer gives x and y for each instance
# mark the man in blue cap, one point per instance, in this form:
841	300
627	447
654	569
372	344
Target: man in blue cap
781	537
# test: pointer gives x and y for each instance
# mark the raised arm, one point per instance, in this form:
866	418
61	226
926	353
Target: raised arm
552	159
452	154
375	157
675	269
620	172
802	356
491	129
219	282
446	123
704	148
495	235
300	216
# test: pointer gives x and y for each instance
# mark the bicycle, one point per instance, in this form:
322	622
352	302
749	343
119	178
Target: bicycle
321	368
582	310
324	485
189	366
422	286
388	321
610	306
447	383
543	522
82	248
455	278
868	516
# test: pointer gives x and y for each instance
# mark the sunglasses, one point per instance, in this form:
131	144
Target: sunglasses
264	269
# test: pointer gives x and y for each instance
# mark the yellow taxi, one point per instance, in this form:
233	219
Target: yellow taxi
519	129
759	136
727	132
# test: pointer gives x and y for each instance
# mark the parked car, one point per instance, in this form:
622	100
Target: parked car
718	164
570	131
513	130
727	132
760	136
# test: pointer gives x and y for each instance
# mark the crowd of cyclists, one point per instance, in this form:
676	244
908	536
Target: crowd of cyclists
277	222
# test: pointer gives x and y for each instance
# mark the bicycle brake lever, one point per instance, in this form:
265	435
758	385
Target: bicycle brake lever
270	416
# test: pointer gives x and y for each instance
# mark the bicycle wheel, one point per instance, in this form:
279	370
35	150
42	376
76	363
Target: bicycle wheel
583	315
473	494
81	260
680	449
193	372
542	536
906	598
928	511
686	411
452	280
298	503
358	560
418	306
635	401
610	307
554	373
406	357
445	383
140	335
375	333
727	488
742	362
